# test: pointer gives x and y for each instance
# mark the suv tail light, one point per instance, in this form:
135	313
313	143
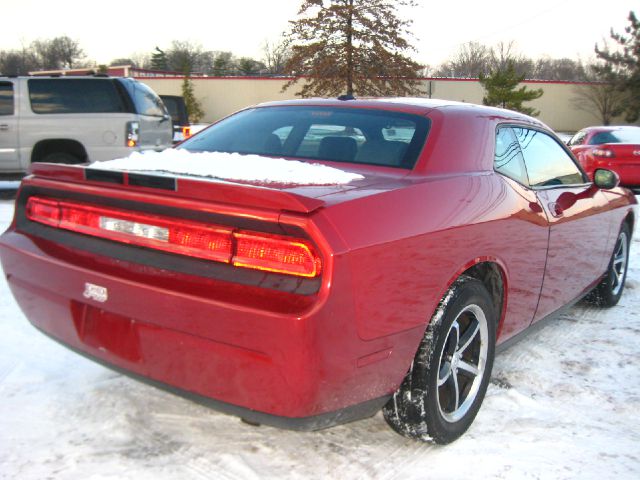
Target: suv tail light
186	132
241	248
132	134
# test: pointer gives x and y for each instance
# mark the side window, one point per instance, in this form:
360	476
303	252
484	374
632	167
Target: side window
546	161
6	98
604	137
508	159
74	96
577	139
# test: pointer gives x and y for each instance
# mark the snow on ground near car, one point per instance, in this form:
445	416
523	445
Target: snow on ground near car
231	166
562	403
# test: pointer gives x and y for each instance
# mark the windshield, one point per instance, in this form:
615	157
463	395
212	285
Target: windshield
337	134
626	135
145	100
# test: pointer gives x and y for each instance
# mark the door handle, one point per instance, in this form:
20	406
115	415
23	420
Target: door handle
4	127
556	210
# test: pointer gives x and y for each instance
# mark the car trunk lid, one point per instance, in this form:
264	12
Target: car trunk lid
298	198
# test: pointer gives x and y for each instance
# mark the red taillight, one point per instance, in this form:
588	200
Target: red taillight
602	152
273	253
186	132
44	211
132	134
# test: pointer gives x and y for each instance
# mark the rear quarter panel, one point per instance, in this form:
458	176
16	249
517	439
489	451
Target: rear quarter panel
407	246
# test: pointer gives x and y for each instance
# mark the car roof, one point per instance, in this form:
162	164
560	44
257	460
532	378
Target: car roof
411	105
609	128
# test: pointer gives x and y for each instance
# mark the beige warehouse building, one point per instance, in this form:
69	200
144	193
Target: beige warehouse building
221	96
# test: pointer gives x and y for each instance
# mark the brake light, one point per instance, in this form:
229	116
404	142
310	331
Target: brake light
132	134
186	132
275	254
246	249
602	152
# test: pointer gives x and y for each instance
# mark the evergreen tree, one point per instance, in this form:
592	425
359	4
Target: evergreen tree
248	66
351	46
622	66
159	60
500	86
223	64
194	109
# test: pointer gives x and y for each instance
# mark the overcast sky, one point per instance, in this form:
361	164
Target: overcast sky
120	28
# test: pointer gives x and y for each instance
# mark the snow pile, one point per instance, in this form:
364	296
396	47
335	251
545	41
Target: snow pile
231	166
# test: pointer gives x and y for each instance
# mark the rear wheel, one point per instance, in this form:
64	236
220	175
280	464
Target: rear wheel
444	388
61	157
609	290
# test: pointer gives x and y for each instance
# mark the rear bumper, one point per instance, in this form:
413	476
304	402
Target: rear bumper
316	422
302	370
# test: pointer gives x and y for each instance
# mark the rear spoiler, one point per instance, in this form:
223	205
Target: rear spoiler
208	189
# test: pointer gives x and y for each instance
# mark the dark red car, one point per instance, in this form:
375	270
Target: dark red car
613	148
304	306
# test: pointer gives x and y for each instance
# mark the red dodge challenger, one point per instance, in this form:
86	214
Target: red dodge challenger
445	230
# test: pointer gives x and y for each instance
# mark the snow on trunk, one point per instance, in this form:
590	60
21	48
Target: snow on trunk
231	166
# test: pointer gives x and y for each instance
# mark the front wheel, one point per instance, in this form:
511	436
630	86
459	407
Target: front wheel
609	290
444	388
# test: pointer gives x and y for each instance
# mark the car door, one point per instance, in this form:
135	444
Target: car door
576	210
526	238
9	160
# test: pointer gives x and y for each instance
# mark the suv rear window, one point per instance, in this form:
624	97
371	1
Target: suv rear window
339	134
176	108
146	101
62	95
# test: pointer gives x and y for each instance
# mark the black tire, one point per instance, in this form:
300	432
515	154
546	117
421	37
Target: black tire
425	407
608	292
61	157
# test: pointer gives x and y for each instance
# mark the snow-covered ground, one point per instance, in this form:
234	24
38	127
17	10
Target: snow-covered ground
563	403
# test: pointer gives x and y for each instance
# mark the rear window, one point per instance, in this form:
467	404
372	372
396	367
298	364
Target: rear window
146	101
339	134
74	96
176	108
631	135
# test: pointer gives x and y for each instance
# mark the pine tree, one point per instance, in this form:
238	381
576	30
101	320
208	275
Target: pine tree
500	86
159	60
622	66
352	46
194	109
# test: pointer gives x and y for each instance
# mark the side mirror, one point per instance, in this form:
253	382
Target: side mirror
606	179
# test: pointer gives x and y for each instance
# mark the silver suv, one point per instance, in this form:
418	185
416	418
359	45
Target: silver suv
77	119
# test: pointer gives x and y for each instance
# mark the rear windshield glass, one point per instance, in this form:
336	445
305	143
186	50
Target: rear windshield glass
74	95
337	134
145	100
176	108
630	135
